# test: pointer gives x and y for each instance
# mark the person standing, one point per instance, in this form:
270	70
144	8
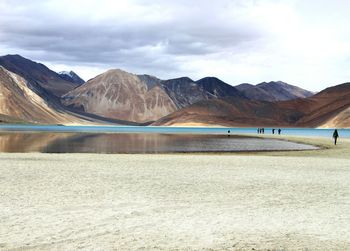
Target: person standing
335	136
279	131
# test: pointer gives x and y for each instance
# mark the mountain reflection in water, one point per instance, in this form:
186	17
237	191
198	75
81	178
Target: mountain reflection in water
137	143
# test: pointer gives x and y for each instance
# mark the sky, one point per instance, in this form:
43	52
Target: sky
304	43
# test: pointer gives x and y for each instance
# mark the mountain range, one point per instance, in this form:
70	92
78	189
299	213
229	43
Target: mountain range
31	92
273	91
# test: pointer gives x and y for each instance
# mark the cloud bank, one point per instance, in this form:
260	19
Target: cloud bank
306	44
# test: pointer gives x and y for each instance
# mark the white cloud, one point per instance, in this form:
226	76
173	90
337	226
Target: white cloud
306	43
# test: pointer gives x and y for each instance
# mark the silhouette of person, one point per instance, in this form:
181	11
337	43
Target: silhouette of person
273	131
228	133
258	130
279	131
335	136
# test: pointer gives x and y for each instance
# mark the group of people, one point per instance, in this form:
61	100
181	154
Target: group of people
262	131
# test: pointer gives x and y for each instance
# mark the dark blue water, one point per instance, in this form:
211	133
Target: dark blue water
344	133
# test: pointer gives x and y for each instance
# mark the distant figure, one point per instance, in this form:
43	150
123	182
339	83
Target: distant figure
263	130
228	133
335	136
273	131
258	130
279	131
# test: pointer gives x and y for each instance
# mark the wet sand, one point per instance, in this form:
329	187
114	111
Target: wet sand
283	201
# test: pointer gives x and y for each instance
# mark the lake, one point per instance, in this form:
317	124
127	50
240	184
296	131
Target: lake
134	139
344	133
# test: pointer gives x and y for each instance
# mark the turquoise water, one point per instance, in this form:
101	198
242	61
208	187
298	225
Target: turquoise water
141	139
344	133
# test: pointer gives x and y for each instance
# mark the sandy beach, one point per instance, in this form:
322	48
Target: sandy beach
278	200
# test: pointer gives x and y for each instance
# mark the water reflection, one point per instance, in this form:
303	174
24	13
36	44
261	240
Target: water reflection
136	143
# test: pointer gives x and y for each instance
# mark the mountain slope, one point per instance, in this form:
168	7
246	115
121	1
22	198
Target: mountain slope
72	77
218	88
120	95
149	80
184	91
231	112
273	91
19	102
329	108
37	73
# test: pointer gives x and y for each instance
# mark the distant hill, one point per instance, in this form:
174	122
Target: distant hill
37	74
273	91
72	77
329	108
231	112
219	89
184	91
121	95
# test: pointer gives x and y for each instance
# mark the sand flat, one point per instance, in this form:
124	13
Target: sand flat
173	202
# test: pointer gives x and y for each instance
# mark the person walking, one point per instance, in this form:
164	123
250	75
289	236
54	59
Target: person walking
279	131
335	136
273	131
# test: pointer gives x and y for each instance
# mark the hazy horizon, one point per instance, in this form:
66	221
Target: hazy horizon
303	43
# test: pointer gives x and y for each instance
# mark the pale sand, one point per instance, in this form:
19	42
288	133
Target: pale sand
176	202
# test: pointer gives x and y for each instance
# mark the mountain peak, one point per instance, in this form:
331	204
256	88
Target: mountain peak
71	76
273	91
37	74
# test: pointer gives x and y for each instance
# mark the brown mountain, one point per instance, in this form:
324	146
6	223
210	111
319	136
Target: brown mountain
273	91
38	74
231	112
19	103
142	98
329	108
120	95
